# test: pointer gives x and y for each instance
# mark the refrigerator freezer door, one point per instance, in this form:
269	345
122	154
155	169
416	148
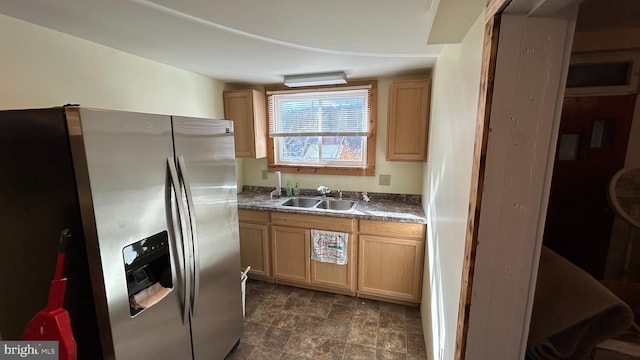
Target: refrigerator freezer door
122	186
208	152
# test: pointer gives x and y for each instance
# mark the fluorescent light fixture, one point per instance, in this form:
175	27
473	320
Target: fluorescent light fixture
316	79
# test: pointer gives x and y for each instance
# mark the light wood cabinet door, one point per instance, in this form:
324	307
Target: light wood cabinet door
390	267
291	254
255	250
334	275
408	123
322	275
247	109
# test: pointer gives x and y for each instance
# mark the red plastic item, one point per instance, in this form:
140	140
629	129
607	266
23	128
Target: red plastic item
53	323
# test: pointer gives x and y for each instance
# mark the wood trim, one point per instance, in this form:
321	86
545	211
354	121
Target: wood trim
373	130
368	170
495	7
489	56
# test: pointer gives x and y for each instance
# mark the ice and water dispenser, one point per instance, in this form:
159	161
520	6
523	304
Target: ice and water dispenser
148	269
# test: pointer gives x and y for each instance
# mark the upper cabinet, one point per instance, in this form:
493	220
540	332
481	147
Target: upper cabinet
408	123
248	111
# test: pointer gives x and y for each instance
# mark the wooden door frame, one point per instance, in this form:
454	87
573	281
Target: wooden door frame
490	325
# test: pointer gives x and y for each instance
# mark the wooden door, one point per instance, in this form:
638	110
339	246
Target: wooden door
390	267
238	106
592	144
254	250
408	126
291	254
337	276
247	109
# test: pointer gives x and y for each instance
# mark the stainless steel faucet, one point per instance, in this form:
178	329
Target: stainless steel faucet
323	190
275	193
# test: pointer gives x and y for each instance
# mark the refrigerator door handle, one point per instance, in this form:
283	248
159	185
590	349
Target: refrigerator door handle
185	249
194	234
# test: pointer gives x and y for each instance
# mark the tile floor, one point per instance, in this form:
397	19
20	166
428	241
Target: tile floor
288	323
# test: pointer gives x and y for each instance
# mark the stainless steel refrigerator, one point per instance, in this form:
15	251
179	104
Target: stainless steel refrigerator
151	201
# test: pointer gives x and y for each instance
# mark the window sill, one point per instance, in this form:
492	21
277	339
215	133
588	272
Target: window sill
323	170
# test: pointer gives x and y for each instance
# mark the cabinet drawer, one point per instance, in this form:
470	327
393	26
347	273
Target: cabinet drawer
314	222
253	216
394	229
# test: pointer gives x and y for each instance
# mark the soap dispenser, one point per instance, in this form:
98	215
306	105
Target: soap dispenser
296	190
289	190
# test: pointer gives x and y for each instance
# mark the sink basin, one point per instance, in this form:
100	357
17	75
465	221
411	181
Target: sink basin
317	204
300	202
341	205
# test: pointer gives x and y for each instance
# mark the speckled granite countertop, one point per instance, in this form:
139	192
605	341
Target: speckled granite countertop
384	207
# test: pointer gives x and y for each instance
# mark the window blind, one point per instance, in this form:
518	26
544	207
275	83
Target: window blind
327	113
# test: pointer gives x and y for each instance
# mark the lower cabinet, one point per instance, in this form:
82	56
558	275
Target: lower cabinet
290	254
390	260
291	237
385	259
255	248
333	275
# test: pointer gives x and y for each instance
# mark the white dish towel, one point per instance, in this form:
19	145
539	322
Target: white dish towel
329	246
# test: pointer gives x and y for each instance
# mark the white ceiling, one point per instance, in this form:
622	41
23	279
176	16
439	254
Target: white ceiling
256	42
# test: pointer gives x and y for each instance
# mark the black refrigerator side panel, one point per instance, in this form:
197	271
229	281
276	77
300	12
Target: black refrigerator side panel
38	199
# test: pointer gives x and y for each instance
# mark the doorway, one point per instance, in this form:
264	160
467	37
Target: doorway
592	146
515	163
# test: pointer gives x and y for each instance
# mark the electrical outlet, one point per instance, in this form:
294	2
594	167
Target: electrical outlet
384	180
265	174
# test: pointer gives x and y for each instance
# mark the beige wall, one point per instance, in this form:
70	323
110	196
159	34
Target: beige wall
43	68
406	177
447	182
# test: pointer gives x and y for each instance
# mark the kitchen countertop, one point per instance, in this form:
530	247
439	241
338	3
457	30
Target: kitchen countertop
382	207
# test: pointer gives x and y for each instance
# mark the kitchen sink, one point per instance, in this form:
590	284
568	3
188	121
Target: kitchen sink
309	203
341	204
300	202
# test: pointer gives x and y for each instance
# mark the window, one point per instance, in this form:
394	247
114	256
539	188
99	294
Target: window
323	130
606	73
